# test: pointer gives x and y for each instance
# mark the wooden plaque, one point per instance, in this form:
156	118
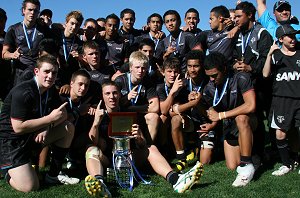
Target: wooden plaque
120	123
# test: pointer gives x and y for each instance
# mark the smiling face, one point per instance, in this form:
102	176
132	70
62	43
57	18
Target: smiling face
288	41
283	13
30	12
191	19
72	27
111	27
45	75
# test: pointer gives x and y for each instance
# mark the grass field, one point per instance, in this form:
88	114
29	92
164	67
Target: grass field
215	182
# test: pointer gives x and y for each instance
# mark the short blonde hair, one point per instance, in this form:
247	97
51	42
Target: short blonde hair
138	57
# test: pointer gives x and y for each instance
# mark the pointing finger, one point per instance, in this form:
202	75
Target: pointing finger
99	104
135	88
62	106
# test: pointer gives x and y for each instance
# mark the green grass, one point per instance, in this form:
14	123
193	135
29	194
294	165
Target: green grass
215	182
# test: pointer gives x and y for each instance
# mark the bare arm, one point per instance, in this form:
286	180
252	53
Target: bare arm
261	7
190	104
167	104
267	67
247	107
29	126
94	131
6	54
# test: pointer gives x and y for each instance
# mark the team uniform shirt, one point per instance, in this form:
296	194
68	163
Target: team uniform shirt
286	71
98	77
72	108
6	73
131	35
284	112
238	84
216	41
153	71
116	52
24	103
253	46
149	36
146	90
267	21
195	32
195	113
68	64
27	42
181	96
183	43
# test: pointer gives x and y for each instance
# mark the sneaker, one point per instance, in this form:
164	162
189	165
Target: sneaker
187	180
282	171
61	178
95	187
245	175
180	165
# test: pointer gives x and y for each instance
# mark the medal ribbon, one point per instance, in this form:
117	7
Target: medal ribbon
217	99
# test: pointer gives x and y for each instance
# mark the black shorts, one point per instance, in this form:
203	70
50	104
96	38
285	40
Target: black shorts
284	113
15	152
230	131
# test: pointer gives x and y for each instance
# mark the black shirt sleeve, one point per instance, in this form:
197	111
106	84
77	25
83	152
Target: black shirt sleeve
244	82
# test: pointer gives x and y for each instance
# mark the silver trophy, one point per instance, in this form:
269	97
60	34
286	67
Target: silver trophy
122	161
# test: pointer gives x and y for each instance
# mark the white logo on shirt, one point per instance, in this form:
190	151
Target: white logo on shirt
298	63
288	76
280	119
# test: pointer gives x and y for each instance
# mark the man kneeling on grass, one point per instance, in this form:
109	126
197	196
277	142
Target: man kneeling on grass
101	147
27	122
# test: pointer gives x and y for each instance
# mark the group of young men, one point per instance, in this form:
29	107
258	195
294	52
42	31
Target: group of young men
67	80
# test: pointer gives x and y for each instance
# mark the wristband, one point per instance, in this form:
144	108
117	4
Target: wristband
220	116
224	115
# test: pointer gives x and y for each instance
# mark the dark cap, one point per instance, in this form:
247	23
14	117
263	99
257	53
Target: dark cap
278	4
47	12
286	29
2	13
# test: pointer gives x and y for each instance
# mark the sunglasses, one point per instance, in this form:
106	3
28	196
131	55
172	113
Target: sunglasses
282	8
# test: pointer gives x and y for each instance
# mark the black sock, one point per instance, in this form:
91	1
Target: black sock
283	150
172	177
99	177
294	156
58	157
245	160
181	157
